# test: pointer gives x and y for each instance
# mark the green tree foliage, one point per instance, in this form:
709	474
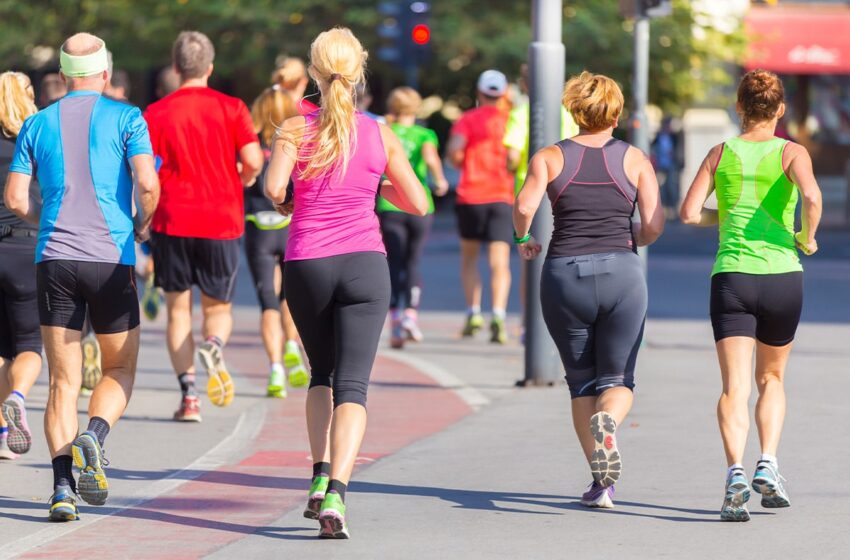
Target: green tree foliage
468	37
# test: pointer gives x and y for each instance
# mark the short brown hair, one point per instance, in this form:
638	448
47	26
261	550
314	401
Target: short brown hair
193	52
404	101
595	101
760	94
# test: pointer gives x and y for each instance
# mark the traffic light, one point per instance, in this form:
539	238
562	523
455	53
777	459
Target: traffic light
420	34
405	31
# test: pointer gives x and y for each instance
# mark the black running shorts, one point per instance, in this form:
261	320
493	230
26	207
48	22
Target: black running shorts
766	307
210	264
485	222
108	290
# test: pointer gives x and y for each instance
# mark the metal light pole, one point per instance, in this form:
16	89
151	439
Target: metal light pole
547	64
640	87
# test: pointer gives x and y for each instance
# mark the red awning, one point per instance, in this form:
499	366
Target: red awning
799	40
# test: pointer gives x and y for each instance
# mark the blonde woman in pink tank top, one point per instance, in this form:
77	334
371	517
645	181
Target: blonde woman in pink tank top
337	279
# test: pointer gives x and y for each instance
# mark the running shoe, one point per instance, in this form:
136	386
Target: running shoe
332	518
397	335
88	457
410	326
474	323
605	462
598	496
91	362
220	388
63	505
6	454
316	496
498	332
151	299
768	482
294	363
737	496
15	415
189	411
277	384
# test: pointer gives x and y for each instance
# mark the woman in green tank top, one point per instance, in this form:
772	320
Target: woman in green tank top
757	279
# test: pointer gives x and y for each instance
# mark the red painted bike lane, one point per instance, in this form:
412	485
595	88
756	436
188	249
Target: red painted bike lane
243	497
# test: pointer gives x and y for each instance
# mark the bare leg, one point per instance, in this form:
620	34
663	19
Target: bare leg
500	273
5	385
470	277
736	365
583	409
218	318
347	429
770	407
272	333
65	363
181	346
119	353
616	401
290	332
319	413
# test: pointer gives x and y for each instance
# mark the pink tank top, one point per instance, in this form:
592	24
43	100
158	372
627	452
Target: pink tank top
333	214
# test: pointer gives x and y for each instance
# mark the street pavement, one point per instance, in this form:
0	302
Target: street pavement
458	462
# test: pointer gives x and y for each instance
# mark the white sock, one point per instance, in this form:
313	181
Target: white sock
277	367
292	347
735	467
474	309
499	313
770	459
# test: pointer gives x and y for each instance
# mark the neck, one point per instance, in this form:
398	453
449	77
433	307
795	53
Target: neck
194	82
607	132
765	129
81	84
406	120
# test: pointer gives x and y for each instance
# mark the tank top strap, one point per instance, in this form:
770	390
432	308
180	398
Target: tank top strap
573	154
614	155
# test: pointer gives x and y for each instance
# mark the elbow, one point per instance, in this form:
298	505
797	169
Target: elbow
526	211
15	204
651	233
688	217
422	207
813	200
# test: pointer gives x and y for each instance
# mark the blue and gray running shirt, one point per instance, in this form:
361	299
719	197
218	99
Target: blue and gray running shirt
80	148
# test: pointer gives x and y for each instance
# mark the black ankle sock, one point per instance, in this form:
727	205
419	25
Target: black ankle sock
338	487
100	427
321	469
62	475
187	384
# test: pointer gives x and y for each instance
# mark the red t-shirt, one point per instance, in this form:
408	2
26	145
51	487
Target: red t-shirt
198	133
484	176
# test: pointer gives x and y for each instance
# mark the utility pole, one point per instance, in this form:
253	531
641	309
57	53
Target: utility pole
640	88
546	56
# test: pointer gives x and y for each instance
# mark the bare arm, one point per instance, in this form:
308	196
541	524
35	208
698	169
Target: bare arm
693	211
403	189
282	162
251	160
528	200
435	167
649	204
17	198
146	183
803	175
456	149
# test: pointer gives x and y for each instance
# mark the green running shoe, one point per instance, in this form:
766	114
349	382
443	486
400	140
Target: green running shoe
151	300
332	518
277	386
316	496
498	332
88	457
474	323
63	505
298	376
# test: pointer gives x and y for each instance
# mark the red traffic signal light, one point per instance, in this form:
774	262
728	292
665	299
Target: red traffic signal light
421	34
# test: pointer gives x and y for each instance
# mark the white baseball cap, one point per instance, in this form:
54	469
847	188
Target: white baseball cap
492	83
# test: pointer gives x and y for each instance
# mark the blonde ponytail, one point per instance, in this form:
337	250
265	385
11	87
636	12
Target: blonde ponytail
16	102
337	64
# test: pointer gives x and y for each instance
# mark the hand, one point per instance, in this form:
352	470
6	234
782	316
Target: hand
441	187
142	235
808	248
530	249
285	209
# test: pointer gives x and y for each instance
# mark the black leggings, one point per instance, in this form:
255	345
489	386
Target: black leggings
264	250
404	237
339	305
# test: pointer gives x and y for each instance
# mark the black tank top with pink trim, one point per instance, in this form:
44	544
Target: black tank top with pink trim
592	201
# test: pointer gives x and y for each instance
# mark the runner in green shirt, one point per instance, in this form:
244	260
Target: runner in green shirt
405	234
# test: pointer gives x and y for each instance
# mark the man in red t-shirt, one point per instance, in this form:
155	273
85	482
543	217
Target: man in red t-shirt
485	196
209	153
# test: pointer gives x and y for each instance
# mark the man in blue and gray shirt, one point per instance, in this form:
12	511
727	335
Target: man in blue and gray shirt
88	152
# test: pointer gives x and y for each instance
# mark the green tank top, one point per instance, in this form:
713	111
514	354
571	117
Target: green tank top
413	138
756	203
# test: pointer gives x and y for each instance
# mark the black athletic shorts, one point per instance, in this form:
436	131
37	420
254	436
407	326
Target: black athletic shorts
766	307
485	222
265	249
210	264
19	328
108	290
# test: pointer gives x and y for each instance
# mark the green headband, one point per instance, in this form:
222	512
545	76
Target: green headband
85	65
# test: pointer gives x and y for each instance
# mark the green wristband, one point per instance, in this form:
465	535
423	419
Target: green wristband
523	239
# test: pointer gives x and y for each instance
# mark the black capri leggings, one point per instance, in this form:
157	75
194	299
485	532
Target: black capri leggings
264	250
339	305
405	236
595	309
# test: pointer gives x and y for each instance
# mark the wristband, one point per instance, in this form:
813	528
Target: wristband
523	239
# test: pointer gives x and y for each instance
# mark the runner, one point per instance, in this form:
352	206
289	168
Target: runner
84	149
265	242
51	89
336	268
593	289
757	280
198	132
405	234
484	198
20	337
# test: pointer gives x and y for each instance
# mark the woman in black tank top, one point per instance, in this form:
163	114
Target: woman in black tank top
593	288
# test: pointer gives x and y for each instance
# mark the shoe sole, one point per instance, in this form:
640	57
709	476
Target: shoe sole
770	495
220	388
604	502
332	525
298	377
735	504
397	343
19	437
606	465
61	513
275	393
92	372
497	335
314	505
92	484
191	418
